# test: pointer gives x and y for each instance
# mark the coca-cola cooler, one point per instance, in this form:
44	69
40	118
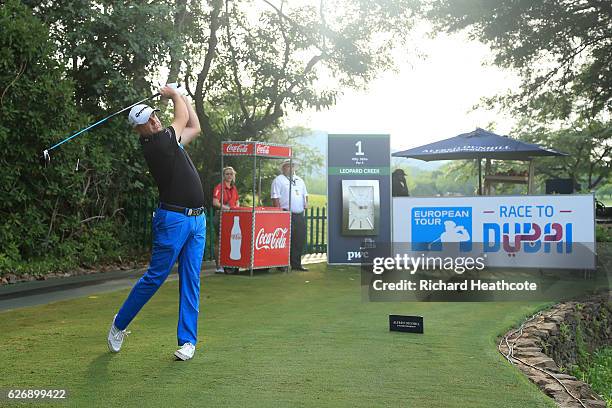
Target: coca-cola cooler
259	238
255	237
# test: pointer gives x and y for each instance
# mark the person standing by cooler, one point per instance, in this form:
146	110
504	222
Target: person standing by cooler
179	223
230	200
299	202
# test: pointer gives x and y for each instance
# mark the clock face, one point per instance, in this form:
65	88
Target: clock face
361	208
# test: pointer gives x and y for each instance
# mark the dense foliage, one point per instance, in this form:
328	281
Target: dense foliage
59	212
561	48
562	51
596	370
588	145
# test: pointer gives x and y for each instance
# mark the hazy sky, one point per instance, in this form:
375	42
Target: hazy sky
428	99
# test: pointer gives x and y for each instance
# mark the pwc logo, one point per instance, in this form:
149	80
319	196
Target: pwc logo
351	255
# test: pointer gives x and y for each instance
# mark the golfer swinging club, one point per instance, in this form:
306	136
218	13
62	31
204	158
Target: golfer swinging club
179	226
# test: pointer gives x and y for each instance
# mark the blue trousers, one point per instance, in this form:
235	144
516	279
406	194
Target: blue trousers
175	236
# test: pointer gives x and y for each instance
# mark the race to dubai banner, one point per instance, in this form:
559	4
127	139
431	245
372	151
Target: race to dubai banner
552	231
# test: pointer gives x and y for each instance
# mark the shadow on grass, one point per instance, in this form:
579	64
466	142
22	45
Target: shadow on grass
97	371
258	272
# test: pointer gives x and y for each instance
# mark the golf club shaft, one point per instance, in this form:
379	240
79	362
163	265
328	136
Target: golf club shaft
99	122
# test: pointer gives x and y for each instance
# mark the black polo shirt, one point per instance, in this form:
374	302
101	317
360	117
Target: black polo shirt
176	177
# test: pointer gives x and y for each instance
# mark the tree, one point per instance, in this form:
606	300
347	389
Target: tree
35	109
244	62
589	148
111	50
561	48
453	178
57	217
605	191
253	64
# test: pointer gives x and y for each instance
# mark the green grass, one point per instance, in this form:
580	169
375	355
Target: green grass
317	200
275	340
597	372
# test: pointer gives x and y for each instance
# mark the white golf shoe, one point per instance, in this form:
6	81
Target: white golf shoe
186	352
115	337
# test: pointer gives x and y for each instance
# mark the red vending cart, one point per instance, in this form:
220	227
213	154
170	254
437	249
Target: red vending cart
255	237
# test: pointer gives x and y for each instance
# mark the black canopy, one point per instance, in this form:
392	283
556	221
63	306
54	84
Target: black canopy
477	144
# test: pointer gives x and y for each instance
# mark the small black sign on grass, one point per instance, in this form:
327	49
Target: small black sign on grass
408	324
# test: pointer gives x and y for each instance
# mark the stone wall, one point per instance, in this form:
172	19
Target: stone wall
558	338
583	328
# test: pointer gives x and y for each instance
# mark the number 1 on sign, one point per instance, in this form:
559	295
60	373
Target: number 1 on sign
359	151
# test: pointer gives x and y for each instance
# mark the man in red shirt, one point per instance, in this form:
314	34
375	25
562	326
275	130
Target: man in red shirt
230	200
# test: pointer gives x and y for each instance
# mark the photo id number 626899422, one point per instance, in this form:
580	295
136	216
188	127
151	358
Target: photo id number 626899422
21	394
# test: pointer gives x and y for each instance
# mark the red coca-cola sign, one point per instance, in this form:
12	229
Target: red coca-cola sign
256	148
236	239
271	240
271	150
263	150
237	148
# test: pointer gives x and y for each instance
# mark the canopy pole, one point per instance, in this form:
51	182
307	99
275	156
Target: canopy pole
487	172
530	179
259	181
479	176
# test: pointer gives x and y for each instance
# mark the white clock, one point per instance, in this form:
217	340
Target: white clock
361	207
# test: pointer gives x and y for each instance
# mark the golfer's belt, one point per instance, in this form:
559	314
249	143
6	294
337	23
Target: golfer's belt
192	212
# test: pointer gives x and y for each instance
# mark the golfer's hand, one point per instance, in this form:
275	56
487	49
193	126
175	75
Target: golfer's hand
168	93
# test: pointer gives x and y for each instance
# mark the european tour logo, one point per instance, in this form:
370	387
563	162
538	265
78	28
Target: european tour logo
432	227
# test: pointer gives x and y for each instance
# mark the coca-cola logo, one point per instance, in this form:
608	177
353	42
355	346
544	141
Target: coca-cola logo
237	148
263	149
271	240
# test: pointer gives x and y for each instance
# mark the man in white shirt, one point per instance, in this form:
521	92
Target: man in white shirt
299	202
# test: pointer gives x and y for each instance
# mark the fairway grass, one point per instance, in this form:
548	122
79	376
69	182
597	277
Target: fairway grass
275	340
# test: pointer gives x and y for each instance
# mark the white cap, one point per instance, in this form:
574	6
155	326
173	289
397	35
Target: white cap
140	114
286	162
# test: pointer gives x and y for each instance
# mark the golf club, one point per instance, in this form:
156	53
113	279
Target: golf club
45	158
